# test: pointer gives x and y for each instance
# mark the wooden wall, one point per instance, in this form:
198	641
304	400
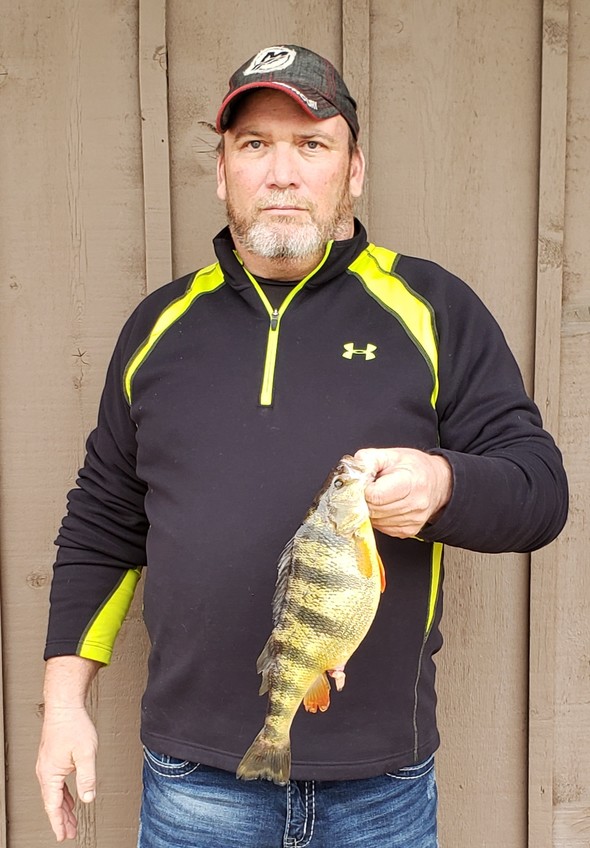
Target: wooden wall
477	131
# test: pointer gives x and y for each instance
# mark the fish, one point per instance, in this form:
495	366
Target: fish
329	583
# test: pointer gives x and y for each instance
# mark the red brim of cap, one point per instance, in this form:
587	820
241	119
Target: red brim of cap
325	110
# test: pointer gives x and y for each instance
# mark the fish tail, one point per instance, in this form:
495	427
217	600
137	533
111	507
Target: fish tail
267	758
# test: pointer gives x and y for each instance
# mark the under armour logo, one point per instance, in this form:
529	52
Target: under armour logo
350	350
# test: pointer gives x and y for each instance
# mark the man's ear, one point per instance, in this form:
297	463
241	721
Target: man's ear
221	185
357	172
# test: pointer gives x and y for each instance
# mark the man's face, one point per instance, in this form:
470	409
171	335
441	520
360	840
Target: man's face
287	179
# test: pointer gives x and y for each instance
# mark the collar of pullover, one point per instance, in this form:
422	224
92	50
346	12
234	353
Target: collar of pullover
340	256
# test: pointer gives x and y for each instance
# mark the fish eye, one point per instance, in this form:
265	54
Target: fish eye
338	483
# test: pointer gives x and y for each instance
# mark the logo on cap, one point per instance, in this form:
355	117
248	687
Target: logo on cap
271	59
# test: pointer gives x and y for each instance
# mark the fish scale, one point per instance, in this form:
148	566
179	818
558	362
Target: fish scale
329	582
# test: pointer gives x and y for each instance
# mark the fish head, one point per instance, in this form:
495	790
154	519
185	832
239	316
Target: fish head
344	495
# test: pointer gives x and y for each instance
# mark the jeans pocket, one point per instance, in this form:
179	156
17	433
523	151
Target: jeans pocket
413	772
166	766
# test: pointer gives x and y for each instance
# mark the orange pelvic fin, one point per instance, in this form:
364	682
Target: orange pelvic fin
317	696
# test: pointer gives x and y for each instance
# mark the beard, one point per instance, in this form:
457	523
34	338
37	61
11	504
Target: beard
283	237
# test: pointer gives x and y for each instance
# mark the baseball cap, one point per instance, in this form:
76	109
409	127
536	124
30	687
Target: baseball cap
312	81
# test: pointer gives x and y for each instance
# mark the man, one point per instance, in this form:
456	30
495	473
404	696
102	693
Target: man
230	395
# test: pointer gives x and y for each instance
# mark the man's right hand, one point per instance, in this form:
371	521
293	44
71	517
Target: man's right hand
68	742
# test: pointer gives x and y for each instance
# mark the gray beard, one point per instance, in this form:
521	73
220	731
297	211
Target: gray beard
274	240
286	239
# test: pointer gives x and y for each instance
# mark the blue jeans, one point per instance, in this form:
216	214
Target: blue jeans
187	805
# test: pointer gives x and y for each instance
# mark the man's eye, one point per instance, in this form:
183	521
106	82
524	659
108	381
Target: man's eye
254	144
313	145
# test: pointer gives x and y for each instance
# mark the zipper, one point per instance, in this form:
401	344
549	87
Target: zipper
270	359
275	316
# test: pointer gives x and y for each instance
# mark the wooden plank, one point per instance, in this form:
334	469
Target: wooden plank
356	70
74	267
571	769
552	177
153	94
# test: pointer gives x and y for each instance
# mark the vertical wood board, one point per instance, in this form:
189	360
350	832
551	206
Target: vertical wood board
153	92
547	371
571	760
73	266
356	70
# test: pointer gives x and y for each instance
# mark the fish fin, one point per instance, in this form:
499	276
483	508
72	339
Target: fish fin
266	759
368	556
263	665
284	569
318	695
382	572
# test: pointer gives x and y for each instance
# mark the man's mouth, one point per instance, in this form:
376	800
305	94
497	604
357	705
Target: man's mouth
284	209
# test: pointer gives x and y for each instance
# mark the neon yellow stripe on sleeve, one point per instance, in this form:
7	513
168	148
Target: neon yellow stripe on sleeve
435	575
99	637
205	281
374	267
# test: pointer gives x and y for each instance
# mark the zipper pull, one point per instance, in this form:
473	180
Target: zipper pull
274	319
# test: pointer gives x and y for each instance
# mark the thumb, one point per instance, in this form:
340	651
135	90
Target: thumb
86	778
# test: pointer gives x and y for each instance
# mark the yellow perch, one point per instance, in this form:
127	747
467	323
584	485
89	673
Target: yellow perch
329	582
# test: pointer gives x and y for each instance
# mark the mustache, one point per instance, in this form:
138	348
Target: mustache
285	198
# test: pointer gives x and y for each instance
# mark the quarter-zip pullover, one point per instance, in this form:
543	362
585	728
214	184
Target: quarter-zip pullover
220	418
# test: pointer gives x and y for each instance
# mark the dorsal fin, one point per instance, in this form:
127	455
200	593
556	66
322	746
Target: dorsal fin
284	569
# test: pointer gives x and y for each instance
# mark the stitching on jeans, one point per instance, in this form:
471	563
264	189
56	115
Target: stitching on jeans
287	841
308	840
410	777
419	766
157	762
151	763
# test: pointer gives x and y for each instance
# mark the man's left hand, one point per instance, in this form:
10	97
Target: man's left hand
410	488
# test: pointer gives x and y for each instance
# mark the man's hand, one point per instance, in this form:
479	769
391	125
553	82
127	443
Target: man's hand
410	488
68	742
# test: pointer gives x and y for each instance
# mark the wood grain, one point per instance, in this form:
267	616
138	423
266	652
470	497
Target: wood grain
356	71
153	95
72	269
544	563
571	758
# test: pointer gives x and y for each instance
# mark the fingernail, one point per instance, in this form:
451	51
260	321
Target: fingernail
87	797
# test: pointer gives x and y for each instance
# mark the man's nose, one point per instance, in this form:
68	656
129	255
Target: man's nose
283	171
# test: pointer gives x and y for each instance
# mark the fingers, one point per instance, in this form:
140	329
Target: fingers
410	487
377	460
59	806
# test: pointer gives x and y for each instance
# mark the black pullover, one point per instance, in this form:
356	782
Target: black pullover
220	419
